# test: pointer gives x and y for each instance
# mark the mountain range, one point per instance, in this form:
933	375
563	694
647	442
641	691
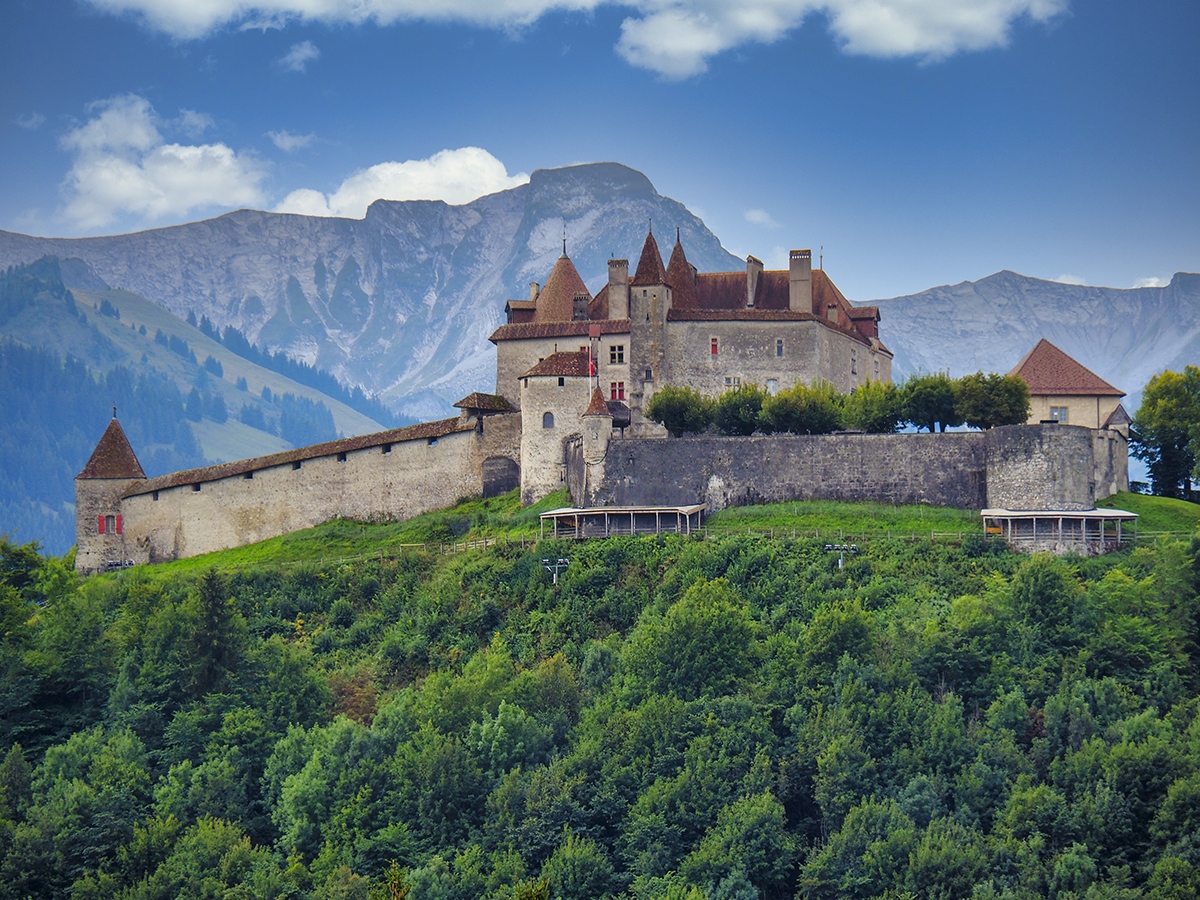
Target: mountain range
402	301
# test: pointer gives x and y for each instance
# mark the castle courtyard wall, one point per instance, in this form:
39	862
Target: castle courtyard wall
414	477
1016	467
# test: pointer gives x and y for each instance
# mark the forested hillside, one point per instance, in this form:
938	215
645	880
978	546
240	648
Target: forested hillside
736	717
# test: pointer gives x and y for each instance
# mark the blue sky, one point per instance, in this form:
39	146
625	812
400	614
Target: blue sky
920	142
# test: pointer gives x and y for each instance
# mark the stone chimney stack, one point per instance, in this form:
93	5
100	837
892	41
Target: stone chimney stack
618	289
754	270
535	290
800	297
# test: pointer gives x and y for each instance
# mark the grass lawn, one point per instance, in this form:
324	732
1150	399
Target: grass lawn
852	519
1156	513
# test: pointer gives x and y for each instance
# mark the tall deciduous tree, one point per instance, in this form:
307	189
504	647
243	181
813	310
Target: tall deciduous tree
985	401
931	400
1166	431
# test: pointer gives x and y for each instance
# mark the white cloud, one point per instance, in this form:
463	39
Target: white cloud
31	121
1151	281
1071	279
760	217
455	176
300	56
675	38
288	142
122	164
194	123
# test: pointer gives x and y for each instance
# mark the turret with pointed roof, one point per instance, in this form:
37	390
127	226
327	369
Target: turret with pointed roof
556	301
111	469
681	276
650	268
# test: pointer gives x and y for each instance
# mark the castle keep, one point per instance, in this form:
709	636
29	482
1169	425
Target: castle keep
574	372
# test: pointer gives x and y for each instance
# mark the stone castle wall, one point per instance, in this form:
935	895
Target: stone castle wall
369	484
1020	467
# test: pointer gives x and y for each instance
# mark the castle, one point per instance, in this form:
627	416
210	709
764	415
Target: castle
574	372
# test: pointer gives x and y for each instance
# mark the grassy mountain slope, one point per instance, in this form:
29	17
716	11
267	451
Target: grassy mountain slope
677	718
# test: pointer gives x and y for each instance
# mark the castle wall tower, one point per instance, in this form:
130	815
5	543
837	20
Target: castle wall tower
649	303
99	527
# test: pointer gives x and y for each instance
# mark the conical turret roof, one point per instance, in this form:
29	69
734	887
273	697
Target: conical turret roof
113	456
650	267
681	278
556	302
598	407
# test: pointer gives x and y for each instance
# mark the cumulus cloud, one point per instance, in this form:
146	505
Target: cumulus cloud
455	176
675	38
288	142
1071	279
1151	281
300	56
194	123
122	164
31	121
760	217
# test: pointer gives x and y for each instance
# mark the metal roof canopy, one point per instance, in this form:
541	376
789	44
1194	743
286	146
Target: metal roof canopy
1070	528
605	521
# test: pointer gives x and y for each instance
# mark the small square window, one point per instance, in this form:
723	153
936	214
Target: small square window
433	442
1058	414
341	457
296	466
561	381
196	488
156	496
714	346
779	346
387	448
249	476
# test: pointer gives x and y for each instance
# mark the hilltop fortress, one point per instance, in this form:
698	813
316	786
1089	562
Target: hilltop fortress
574	372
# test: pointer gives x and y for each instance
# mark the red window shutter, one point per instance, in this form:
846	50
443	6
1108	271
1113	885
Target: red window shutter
118	524
100	522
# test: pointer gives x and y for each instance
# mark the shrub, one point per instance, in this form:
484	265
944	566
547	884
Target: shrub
876	407
680	410
803	410
737	411
985	401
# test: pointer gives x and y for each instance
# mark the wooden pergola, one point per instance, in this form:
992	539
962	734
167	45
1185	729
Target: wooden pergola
606	521
1085	531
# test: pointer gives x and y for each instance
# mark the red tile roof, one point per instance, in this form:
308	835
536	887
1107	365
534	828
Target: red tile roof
573	363
650	266
485	402
329	448
556	302
522	331
598	406
1047	370
682	279
113	457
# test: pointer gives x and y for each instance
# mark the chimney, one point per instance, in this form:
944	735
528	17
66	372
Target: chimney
754	270
535	290
579	308
618	289
800	297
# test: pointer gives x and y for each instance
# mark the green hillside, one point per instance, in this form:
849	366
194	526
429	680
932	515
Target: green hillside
730	716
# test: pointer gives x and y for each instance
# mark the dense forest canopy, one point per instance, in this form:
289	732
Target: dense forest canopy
737	717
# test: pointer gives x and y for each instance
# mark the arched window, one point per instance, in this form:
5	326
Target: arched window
548	420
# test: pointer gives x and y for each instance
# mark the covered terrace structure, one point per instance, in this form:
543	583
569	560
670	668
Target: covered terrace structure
1085	531
607	521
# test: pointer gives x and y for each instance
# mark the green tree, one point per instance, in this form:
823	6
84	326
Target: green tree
681	410
931	401
736	412
985	401
876	407
1166	432
803	410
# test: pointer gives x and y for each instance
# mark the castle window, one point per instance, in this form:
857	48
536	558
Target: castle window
341	457
617	390
561	381
616	354
110	525
433	442
196	488
548	420
649	374
249	476
1058	414
772	386
714	346
853	362
296	466
387	448
779	346
584	350
734	382
156	496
